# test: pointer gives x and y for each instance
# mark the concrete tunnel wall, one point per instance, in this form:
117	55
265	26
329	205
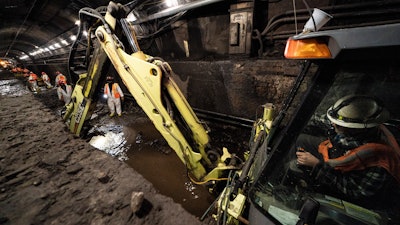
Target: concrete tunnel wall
233	87
238	87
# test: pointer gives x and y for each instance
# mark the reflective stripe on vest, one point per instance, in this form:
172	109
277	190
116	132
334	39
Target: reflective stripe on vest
114	90
368	155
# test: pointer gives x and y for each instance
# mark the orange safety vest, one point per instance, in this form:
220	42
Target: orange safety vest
114	90
32	77
386	156
62	78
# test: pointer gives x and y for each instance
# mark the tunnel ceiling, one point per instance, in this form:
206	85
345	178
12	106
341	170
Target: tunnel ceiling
26	25
43	29
30	29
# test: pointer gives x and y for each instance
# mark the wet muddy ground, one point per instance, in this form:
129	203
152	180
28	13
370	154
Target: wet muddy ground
133	139
130	141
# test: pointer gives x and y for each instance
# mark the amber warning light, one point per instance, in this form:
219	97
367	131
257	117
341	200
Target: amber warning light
307	49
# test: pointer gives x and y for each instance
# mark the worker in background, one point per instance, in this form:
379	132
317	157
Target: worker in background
360	161
25	72
64	92
32	81
60	77
46	80
114	96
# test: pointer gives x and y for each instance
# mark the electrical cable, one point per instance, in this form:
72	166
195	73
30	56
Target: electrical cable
295	16
208	209
311	14
96	13
159	30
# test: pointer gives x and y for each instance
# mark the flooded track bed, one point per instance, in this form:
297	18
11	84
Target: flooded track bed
133	139
145	150
152	158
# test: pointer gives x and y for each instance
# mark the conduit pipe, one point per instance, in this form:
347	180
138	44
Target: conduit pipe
273	20
175	10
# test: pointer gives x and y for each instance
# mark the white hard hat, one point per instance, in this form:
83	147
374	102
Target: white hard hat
357	111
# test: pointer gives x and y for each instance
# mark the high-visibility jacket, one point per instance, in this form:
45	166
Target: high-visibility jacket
60	78
65	95
45	77
386	156
116	91
32	77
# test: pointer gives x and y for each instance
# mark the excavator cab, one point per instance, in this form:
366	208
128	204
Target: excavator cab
354	61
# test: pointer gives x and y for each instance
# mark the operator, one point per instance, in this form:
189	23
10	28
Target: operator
60	77
46	80
64	92
360	161
114	96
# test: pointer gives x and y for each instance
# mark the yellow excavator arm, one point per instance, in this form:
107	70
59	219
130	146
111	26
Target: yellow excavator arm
149	81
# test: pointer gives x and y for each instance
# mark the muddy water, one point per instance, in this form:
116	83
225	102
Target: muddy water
150	155
134	139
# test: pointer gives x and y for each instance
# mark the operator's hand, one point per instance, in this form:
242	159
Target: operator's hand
306	159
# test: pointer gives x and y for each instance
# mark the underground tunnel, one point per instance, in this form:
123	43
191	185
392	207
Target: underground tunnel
215	96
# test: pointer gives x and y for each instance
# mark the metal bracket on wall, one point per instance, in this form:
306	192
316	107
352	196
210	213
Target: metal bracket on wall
241	25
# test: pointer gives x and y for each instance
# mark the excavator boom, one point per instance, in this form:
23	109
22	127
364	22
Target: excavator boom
149	81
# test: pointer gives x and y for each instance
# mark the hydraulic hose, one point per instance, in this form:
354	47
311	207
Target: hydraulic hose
246	168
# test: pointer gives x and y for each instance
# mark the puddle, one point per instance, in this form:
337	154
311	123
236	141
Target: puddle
158	163
111	141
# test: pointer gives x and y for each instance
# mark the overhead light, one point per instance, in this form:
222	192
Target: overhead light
78	22
318	19
72	37
131	17
171	3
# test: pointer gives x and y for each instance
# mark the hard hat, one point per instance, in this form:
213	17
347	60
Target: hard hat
57	72
357	111
43	73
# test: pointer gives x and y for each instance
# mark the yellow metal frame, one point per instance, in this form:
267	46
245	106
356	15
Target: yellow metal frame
235	207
